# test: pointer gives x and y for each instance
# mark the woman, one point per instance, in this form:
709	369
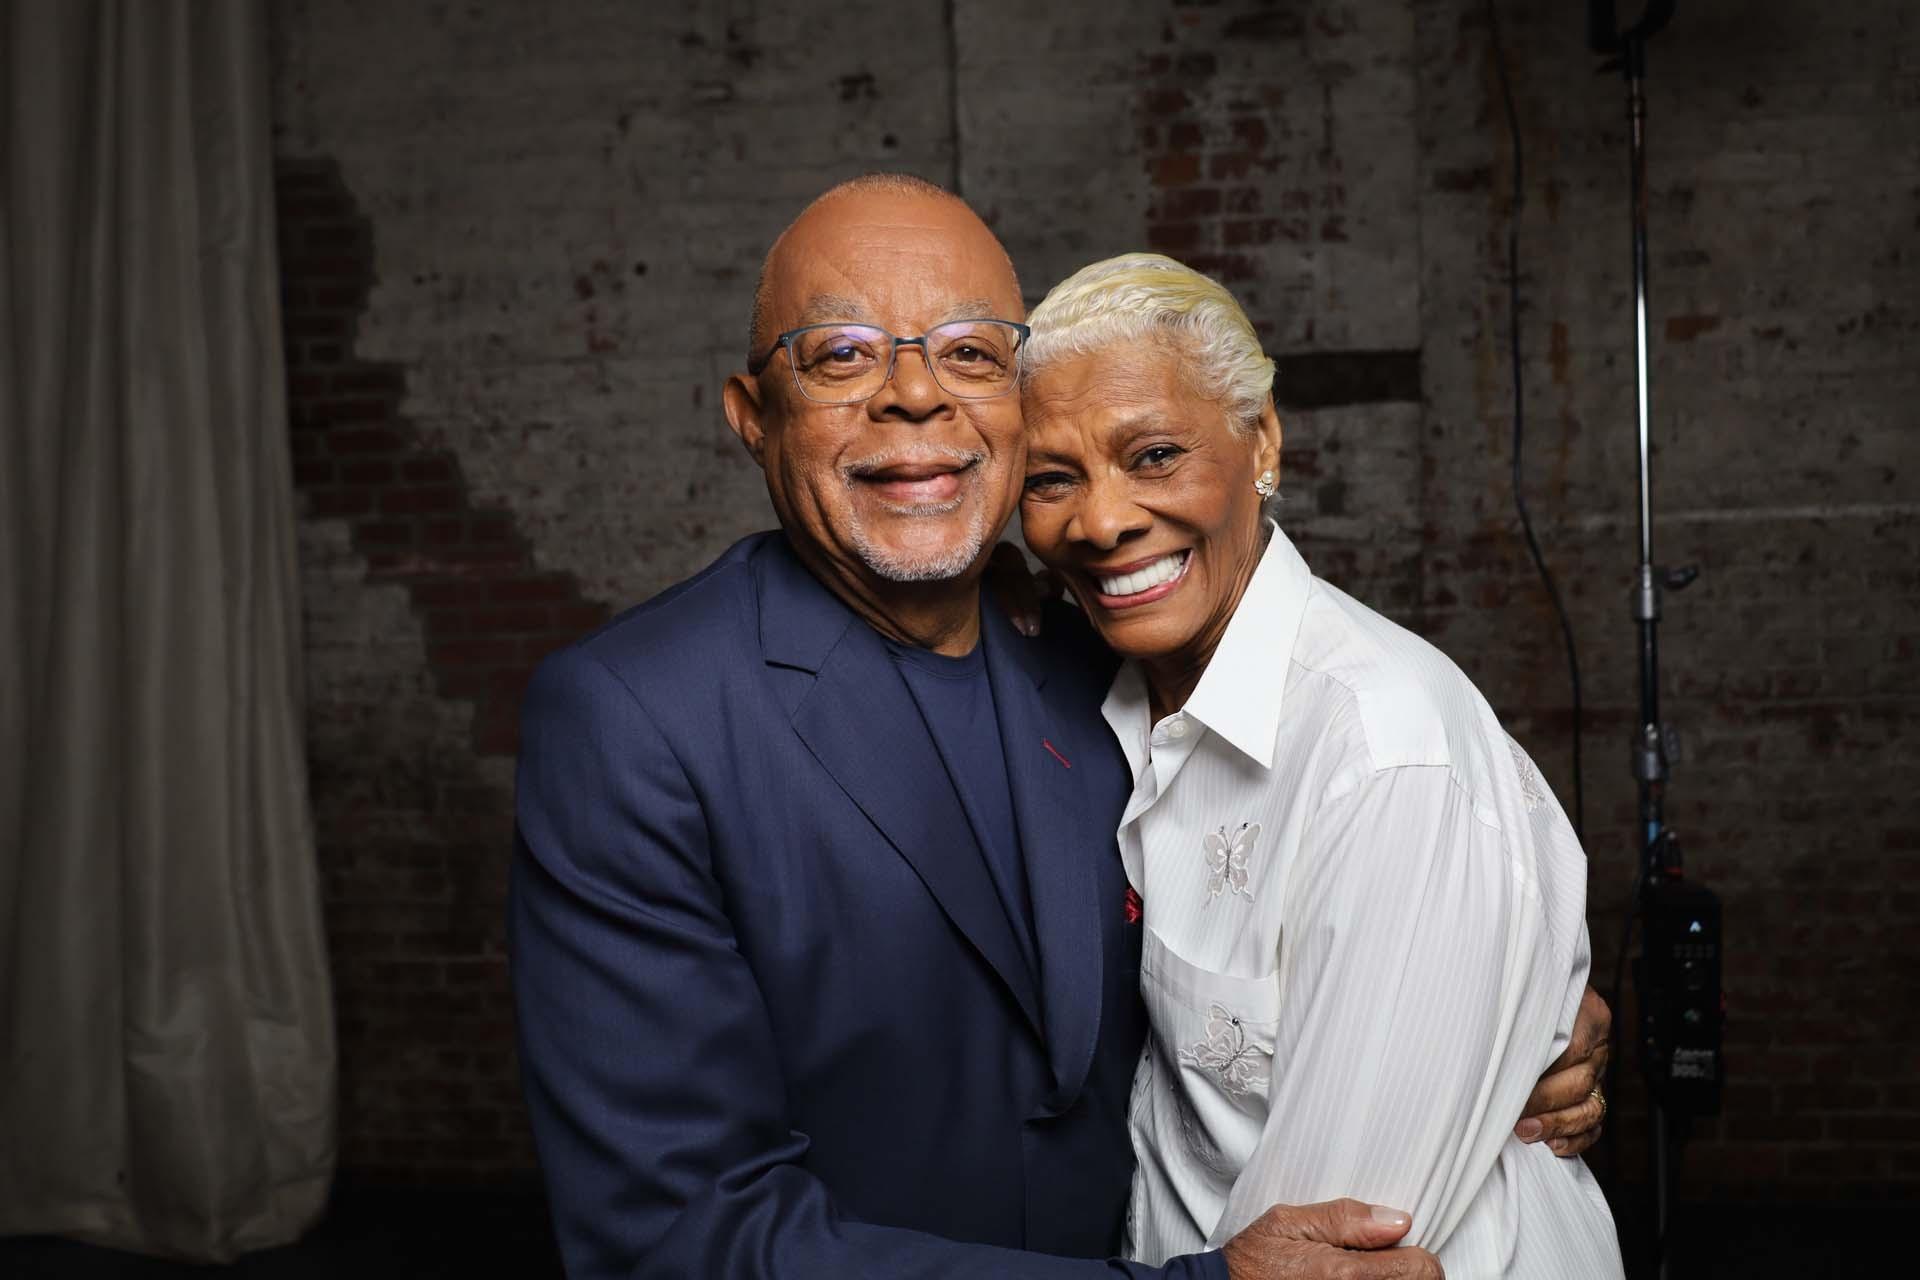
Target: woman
1363	910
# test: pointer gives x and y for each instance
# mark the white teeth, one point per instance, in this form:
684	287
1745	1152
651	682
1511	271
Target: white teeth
1165	569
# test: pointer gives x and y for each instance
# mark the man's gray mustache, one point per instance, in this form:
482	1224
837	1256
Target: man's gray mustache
858	467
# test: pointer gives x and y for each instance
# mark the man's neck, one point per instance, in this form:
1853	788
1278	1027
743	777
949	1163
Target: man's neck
943	616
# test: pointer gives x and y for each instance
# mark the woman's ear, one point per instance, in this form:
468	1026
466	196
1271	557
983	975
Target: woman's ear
740	401
1266	430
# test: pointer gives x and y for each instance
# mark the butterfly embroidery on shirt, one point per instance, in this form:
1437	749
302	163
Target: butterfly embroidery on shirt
1227	860
1226	1054
1532	793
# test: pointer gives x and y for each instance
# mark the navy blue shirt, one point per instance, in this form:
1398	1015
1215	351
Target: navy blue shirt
956	701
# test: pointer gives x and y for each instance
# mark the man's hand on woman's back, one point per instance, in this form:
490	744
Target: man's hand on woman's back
1566	1109
1334	1240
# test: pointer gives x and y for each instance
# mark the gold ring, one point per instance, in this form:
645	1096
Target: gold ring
1600	1098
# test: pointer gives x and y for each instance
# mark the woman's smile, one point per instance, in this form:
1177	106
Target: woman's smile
1140	582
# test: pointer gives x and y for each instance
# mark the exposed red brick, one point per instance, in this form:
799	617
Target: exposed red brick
1224	267
531	587
1186	204
415	922
444	532
436	470
364	440
366	473
1228	166
310	473
334	502
385	533
1160	103
1687	328
1239	233
1176	239
1249	133
510	619
360	410
422	501
1176	170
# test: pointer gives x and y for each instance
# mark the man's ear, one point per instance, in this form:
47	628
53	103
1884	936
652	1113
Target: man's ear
746	414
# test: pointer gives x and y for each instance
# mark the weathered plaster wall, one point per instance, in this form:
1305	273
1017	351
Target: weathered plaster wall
521	241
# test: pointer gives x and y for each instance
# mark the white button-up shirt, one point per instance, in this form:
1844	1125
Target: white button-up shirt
1365	939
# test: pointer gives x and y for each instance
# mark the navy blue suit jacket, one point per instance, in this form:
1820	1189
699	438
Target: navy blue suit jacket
773	1017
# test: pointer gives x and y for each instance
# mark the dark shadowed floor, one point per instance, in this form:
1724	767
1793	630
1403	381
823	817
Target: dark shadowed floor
1768	1242
469	1235
368	1234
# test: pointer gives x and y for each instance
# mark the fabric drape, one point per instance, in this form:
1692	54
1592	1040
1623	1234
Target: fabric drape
167	1065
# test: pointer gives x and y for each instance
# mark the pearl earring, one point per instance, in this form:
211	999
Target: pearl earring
1265	485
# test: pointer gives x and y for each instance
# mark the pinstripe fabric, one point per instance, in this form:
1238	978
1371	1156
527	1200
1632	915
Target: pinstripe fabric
1365	940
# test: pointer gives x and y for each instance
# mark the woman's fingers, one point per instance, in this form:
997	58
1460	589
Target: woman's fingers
1017	588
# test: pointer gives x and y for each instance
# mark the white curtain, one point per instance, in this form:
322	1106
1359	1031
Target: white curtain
166	1037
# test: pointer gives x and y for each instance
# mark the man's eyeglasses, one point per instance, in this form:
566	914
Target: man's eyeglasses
848	363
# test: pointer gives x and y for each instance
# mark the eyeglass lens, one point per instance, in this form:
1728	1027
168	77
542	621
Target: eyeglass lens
842	363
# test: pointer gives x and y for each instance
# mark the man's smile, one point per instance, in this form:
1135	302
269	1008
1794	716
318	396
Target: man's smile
922	481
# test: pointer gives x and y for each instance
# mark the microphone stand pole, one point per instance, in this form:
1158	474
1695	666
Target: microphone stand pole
1677	976
1650	766
1653	740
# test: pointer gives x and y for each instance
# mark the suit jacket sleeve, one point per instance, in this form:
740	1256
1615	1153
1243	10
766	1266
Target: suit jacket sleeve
649	1061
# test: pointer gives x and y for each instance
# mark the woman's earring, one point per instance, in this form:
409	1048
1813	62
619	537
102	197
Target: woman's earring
1265	485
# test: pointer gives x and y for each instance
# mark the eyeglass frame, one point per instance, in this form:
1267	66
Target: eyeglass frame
756	366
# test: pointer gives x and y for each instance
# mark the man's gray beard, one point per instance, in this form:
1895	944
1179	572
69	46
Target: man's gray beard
935	566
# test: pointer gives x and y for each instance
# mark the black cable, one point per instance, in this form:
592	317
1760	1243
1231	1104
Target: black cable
1620	960
1632	914
1513	342
951	15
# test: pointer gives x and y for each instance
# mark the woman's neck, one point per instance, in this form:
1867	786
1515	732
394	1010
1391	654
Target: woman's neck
1171	681
1172	677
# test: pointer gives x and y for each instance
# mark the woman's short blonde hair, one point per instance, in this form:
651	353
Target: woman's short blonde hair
1149	297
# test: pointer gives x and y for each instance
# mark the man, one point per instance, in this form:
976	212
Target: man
822	950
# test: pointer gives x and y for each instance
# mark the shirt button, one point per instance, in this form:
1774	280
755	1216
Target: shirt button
1178	729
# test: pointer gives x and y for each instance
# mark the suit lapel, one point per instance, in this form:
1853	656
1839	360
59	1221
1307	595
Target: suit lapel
1062	832
861	723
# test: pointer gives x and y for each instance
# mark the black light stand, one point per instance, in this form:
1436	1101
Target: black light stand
1677	978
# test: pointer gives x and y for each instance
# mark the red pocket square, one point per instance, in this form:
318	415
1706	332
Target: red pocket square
1135	908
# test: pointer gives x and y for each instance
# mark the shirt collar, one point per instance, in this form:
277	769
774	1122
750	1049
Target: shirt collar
1126	713
1239	694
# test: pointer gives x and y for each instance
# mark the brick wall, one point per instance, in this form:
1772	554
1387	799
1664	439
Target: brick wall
1781	299
519	245
412	813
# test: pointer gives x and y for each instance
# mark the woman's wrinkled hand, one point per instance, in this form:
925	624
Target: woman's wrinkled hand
1021	592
